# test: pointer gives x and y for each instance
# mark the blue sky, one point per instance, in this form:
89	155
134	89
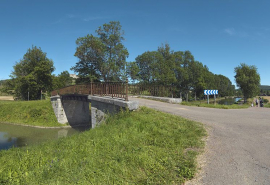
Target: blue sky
219	33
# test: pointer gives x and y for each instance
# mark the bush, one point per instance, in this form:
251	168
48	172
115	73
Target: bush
265	100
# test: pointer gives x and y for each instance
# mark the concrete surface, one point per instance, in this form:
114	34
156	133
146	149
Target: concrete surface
101	106
58	109
238	146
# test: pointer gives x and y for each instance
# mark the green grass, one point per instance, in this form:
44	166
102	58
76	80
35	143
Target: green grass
140	147
267	105
218	106
36	113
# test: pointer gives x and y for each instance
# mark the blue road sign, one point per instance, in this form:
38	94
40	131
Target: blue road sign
210	92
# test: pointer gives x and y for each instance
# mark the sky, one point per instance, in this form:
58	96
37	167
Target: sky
221	34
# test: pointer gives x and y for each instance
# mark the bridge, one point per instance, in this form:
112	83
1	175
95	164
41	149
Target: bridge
71	104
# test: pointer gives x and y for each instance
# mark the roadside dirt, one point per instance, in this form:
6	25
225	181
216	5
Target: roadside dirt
6	98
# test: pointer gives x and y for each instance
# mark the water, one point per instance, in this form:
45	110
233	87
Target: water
19	136
228	101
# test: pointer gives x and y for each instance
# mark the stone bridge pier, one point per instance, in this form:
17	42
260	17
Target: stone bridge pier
74	108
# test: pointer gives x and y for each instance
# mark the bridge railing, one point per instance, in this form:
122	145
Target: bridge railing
112	89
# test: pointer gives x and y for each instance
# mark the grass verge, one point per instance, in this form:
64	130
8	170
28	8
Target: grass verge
267	105
140	147
218	106
36	113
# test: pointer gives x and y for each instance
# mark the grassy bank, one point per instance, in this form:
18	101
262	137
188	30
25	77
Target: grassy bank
141	147
37	113
218	106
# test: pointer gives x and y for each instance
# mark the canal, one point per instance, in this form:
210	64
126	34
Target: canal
228	101
19	136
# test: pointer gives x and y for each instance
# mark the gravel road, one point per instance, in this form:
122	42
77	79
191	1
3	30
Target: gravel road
238	146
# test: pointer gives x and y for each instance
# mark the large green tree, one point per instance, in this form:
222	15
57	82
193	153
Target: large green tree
177	68
248	79
62	80
32	74
155	66
224	85
148	66
102	57
133	71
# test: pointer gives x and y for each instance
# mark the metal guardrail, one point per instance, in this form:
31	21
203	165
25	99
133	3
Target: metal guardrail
119	90
112	89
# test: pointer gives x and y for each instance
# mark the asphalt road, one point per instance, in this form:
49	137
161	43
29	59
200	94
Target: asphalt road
238	146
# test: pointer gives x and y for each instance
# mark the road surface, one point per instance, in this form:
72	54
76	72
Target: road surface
238	146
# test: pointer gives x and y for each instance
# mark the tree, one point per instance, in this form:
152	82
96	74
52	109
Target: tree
248	79
196	70
166	65
147	64
133	71
8	86
185	76
103	57
32	74
177	68
156	66
224	85
62	80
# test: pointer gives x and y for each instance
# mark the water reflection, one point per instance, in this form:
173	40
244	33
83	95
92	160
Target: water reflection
228	101
6	141
19	136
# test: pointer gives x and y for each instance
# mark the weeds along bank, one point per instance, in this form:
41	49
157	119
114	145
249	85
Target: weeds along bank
217	106
236	105
36	113
140	147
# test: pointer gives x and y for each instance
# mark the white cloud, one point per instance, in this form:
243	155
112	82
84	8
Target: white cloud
230	31
70	16
92	18
233	32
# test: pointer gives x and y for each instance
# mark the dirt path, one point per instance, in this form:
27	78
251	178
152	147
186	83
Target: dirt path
238	146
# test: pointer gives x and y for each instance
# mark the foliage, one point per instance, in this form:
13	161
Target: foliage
178	68
265	100
141	147
7	87
32	74
133	71
248	79
264	90
103	57
37	113
62	80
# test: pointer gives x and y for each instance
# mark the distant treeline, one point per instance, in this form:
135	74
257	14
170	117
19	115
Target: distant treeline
178	68
265	87
265	90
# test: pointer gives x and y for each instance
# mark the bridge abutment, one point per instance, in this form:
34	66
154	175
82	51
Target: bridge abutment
58	109
102	106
